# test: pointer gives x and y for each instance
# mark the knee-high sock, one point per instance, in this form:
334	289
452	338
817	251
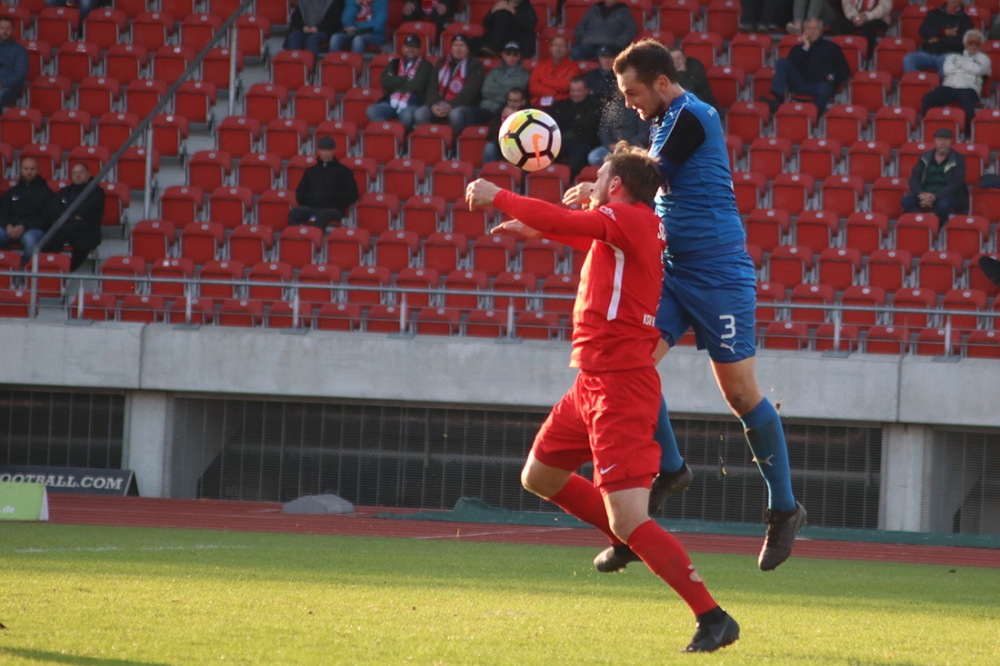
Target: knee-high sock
580	499
766	438
670	456
666	557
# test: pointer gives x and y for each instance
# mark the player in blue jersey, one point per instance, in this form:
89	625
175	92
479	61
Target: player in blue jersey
708	285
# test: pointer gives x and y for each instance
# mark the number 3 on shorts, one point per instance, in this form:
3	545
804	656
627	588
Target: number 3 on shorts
730	324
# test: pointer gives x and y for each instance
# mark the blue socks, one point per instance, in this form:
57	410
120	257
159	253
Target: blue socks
767	443
670	457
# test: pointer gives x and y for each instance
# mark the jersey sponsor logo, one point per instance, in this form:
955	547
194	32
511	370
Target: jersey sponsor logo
608	211
649	320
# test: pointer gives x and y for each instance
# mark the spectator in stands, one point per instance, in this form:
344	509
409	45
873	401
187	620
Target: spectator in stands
691	76
85	6
13	63
501	80
942	31
517	99
508	21
312	23
404	80
601	81
618	123
804	10
815	67
326	191
363	24
579	119
453	92
607	23
22	209
82	231
550	78
869	18
763	15
438	12
964	74
937	182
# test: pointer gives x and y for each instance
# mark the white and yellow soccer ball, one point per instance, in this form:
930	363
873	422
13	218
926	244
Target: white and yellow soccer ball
530	139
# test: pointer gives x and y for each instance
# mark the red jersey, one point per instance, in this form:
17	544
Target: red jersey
615	311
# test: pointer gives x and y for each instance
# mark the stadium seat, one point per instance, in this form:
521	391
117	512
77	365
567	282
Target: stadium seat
126	62
747	120
492	253
548	184
862	297
977	157
842	194
265	101
983	344
240	312
250	244
365	172
284	137
93	307
541	257
48	156
209	168
382	141
786	335
885	340
888	269
868	159
893	124
181	204
19	125
340	70
486	324
914	85
771	294
768	156
789	264
430	143
423	215
748	188
197	30
504	175
142	95
252	33
767	227
297	166
97	95
726	83
403	177
943	118
122	266
215	67
375	212
178	9
174	268
396	249
449	179
324	277
284	314
170	61
818	157
869	89
355	104
132	167
293	68
75	60
889	54
938	270
201	242
679	15
811	294
273	207
442	251
344	134
272	277
300	245
471	223
20	17
964	300
258	172
734	146
839	267
366	276
117	199
513	283
338	317
113	129
229	206
705	46
748	51
846	338
986	128
915	232
865	231
224	272
195	100
932	342
193	311
346	247
142	309
912	299
795	121
464	281
438	321
471	142
151	239
416	278
566	285
791	192
966	235
887	195
314	104
387	319
48	94
56	25
977	280
69	128
170	131
816	229
15	303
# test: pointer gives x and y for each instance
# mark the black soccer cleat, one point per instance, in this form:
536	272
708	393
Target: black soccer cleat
711	636
782	527
615	558
665	485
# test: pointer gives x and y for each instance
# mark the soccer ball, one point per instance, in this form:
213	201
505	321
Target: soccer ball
530	139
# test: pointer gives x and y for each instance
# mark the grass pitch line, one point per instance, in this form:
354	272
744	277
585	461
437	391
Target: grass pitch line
102	549
459	535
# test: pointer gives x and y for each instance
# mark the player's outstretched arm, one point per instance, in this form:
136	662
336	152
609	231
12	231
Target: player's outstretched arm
540	215
516	227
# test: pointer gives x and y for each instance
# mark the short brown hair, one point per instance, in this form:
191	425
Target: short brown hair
638	171
650	60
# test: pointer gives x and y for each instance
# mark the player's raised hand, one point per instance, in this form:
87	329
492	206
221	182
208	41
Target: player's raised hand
516	227
480	193
578	195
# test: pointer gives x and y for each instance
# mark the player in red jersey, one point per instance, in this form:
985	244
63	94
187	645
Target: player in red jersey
609	414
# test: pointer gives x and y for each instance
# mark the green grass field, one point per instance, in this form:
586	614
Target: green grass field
113	596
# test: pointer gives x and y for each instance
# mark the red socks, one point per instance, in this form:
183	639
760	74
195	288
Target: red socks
580	499
666	557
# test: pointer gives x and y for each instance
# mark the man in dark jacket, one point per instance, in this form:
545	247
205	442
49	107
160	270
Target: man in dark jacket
692	77
815	67
942	31
13	63
23	208
404	81
312	23
82	230
618	123
602	81
508	21
937	182
579	119
453	93
326	190
607	23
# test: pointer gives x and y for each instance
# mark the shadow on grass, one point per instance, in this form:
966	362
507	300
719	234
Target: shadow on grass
57	658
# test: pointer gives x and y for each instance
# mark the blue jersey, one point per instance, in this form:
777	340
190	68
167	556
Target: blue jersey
696	201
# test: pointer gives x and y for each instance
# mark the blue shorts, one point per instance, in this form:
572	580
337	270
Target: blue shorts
715	294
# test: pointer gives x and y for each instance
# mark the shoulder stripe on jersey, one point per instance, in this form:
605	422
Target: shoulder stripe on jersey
673	125
616	289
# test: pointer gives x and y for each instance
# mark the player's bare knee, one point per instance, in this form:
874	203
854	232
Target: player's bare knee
623	524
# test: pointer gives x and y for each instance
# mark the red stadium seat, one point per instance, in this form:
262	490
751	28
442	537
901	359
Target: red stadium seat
964	300
471	142
868	159
181	204
548	184
767	227
355	104
48	156
791	192
170	131
173	268
839	267
201	242
786	335
943	118
986	128
916	232
375	212
768	156
747	120
190	310
293	68
541	257
966	235
345	247
887	194
705	46
846	338
486	324
344	134
726	83
430	143
367	276
795	121
889	54
983	344
938	270
888	269
314	104
396	249
94	307
403	177
789	264
18	126
273	277
679	15
885	340
250	244
818	157
769	293
122	266
126	62
252	33
862	297
258	172
416	278
977	280
816	229
560	284
97	95
844	123
465	281
748	188
195	100
865	231
932	342
893	124
810	294
289	315
492	253
443	251
141	309
423	215
870	89
241	312
273	207
215	67
537	325
912	299
113	129
504	175
914	85
300	245
449	179
230	206
197	30
75	60
365	171
69	128
338	317
56	25
132	167
284	137
49	94
265	101
209	168
749	51
513	283
324	277
842	194
142	95
39	53
170	61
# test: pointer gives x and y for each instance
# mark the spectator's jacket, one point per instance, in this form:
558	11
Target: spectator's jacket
823	60
549	79
327	185
329	24
499	82
85	223
954	169
415	86
368	16
606	26
526	20
963	70
619	123
602	83
579	121
936	22
13	65
869	10
26	204
695	80
471	88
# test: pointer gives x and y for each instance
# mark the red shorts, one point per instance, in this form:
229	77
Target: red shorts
609	418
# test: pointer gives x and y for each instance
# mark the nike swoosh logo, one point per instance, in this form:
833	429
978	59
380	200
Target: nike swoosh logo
605	470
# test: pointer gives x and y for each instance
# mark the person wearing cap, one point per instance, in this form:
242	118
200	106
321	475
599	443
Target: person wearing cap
363	24
937	182
964	74
607	23
692	77
517	99
404	81
326	190
601	80
549	81
508	21
438	12
579	118
453	93
500	80
312	22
